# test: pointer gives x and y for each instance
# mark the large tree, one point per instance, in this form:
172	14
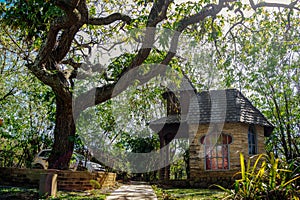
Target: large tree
50	43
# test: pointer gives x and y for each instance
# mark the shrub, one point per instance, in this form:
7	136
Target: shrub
95	184
269	178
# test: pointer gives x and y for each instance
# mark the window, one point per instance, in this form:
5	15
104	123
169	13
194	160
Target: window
252	141
216	148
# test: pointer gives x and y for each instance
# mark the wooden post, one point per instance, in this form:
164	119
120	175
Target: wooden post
167	159
162	156
48	185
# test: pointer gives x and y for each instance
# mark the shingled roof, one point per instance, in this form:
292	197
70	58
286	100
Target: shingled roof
217	106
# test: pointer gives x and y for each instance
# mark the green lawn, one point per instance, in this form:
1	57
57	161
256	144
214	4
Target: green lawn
188	194
94	194
19	193
8	193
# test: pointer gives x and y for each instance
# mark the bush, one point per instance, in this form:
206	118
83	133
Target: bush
95	184
273	180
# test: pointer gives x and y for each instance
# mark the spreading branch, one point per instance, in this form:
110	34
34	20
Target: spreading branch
109	19
100	94
59	40
157	14
72	63
210	10
11	92
292	5
77	15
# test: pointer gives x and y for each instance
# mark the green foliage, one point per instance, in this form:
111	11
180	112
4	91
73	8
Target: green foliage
140	144
261	57
178	170
137	146
27	107
95	184
265	66
33	17
25	131
268	178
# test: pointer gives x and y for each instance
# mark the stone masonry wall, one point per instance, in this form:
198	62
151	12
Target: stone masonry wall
239	134
67	180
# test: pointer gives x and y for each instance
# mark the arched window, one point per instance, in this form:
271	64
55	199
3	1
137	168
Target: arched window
216	148
252	141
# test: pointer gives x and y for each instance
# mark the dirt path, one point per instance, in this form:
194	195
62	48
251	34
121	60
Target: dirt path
133	191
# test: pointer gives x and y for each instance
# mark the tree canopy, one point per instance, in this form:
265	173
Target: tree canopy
79	51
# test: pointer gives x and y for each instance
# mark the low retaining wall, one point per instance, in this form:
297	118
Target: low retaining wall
209	178
67	180
203	180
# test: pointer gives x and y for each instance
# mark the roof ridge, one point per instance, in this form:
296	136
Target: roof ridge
256	109
227	89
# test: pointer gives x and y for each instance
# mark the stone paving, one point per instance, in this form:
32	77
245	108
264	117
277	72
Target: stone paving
133	191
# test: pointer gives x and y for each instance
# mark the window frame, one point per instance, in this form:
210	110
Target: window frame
214	148
253	143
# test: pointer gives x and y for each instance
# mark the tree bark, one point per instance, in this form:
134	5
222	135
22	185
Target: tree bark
64	135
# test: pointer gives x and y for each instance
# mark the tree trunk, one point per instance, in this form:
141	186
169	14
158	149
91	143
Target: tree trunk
64	135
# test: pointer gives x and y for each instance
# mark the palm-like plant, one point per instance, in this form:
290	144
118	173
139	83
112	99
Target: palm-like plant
269	178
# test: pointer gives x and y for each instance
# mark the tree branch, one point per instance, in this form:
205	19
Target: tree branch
292	5
73	16
238	10
58	43
208	10
77	15
11	92
101	94
157	14
72	63
109	19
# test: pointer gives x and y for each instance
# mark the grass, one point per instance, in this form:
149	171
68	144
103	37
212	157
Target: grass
18	193
188	194
93	195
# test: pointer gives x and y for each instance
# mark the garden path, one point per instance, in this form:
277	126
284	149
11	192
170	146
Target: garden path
133	191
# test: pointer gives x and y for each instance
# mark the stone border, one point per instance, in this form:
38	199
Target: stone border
67	180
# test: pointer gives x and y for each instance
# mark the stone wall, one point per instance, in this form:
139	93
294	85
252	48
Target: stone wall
206	179
239	134
67	180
